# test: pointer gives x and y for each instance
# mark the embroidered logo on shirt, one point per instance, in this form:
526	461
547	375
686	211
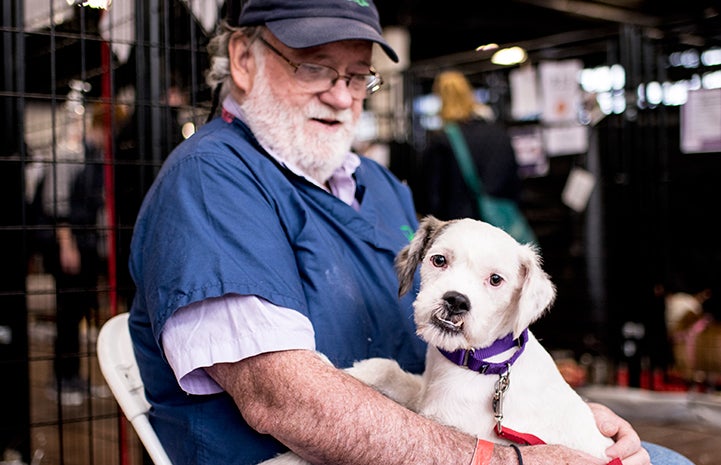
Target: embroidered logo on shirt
408	232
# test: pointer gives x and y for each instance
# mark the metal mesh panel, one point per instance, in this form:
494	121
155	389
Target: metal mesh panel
92	102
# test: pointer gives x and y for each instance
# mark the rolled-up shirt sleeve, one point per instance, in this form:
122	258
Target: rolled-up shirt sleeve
228	329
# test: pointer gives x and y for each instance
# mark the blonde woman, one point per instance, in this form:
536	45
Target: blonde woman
444	192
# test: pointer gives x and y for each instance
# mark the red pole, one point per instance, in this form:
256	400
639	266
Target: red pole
109	178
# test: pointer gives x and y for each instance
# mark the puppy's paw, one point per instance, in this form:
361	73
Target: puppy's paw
387	377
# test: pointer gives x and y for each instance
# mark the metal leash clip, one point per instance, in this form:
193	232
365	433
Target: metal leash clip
504	380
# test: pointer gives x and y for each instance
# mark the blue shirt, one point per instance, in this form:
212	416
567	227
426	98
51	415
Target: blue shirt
224	217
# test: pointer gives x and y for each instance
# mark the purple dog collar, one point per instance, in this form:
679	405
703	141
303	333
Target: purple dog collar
474	359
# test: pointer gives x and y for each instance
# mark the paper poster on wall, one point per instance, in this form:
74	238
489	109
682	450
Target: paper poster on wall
524	93
701	121
565	140
560	90
578	189
528	145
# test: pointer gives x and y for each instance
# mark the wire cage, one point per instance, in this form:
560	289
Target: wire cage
94	95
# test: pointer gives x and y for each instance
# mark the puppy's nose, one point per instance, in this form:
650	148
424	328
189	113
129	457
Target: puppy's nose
456	303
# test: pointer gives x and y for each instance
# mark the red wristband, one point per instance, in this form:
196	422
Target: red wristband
482	454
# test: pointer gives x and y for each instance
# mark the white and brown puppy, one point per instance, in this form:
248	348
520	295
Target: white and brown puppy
480	291
485	371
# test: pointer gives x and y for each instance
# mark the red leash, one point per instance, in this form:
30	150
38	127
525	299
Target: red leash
525	439
531	440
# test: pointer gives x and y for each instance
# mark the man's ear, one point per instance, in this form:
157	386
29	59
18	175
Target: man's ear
242	64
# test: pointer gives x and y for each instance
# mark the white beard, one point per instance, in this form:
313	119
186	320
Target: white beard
282	128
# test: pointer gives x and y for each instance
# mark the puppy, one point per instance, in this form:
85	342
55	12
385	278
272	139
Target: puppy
486	373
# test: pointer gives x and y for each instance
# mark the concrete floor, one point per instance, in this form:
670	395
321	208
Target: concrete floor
688	422
90	433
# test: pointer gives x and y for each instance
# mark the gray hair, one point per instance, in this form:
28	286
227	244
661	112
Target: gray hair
219	72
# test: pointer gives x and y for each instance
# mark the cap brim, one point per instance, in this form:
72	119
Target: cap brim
310	32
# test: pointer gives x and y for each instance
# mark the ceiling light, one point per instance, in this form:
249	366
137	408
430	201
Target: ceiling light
509	56
102	4
486	47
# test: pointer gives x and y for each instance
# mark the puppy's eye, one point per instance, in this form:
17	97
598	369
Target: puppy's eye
439	261
495	280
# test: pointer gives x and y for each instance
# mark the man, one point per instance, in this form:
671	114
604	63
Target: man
264	239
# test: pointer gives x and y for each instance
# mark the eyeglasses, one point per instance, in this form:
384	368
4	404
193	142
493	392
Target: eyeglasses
319	78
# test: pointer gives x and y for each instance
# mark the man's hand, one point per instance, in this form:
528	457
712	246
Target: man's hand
627	444
70	261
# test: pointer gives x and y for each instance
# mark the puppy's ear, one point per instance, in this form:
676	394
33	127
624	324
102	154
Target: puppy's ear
537	292
411	255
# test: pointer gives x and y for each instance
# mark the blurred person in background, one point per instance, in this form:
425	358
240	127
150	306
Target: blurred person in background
66	205
442	191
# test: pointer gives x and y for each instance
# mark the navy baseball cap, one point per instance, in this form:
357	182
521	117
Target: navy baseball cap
307	23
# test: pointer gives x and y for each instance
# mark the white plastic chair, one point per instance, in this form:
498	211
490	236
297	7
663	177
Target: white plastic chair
120	369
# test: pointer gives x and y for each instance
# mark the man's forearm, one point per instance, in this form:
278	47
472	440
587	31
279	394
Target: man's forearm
327	416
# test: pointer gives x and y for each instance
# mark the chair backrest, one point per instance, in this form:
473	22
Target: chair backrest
120	369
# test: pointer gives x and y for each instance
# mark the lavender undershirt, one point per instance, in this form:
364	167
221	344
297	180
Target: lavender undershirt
233	327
